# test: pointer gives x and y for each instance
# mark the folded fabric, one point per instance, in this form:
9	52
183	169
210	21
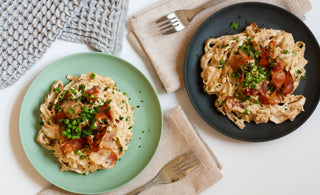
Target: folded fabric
98	23
28	28
178	137
166	53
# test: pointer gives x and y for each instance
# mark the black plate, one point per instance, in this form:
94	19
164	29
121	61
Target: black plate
264	15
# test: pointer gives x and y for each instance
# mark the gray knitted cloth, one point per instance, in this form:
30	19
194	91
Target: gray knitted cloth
28	27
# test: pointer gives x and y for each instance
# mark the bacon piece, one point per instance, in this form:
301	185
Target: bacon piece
232	102
93	147
264	58
93	91
101	116
272	46
112	159
267	54
278	75
59	115
288	84
241	77
95	141
68	94
250	91
108	141
254	27
72	145
274	98
239	60
264	87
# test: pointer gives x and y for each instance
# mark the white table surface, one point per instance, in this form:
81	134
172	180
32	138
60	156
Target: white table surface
289	165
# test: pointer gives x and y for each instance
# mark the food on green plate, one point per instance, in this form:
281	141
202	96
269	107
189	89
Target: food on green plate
253	75
87	124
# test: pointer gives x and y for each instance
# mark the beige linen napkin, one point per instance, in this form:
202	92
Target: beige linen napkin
166	53
178	137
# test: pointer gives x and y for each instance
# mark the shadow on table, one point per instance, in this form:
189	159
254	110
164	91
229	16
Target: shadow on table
195	118
16	142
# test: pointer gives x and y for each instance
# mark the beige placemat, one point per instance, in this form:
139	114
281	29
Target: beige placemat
178	137
166	53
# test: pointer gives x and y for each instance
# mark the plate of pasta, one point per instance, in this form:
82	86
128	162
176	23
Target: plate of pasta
91	119
251	77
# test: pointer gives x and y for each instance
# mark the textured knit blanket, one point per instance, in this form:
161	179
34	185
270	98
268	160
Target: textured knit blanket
28	28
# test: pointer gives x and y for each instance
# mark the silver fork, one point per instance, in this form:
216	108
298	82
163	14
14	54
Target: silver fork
179	19
172	171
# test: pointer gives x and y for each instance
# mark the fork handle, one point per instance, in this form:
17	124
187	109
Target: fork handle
206	5
153	182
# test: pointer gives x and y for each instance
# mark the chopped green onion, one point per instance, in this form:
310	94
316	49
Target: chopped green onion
93	75
234	25
56	90
70	110
294	53
93	126
82	86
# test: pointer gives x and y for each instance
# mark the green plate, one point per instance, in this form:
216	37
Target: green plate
146	130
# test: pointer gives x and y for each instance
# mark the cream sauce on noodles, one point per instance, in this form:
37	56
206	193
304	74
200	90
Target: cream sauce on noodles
253	75
87	123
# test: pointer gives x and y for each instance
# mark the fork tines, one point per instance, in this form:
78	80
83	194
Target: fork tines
186	163
168	24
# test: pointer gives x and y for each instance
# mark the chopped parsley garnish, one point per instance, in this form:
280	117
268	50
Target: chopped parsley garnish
303	77
294	53
82	87
70	110
234	25
56	90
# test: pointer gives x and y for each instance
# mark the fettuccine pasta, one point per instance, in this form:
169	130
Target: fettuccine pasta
253	75
87	123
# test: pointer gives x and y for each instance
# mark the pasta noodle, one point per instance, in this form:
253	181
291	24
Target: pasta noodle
253	75
87	123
